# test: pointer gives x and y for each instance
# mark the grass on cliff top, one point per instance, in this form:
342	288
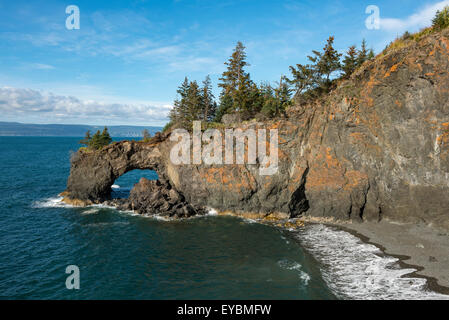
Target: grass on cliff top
439	23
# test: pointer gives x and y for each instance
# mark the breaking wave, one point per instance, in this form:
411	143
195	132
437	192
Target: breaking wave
55	202
357	270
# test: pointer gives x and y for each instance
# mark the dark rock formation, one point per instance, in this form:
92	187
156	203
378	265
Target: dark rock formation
93	173
377	147
155	198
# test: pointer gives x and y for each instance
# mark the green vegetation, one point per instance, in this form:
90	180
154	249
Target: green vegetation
315	79
441	19
193	103
168	126
439	22
97	141
239	94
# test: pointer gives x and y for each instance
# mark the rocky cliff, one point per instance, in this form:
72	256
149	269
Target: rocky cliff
376	147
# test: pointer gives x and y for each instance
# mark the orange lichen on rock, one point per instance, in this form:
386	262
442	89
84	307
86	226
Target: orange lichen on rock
394	68
355	179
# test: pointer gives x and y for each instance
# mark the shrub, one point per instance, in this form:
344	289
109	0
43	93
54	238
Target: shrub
426	31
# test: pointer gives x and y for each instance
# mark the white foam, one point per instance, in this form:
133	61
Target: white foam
115	186
212	212
293	265
55	202
91	211
356	270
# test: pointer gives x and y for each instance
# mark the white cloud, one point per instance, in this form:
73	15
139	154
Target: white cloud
28	105
416	21
42	66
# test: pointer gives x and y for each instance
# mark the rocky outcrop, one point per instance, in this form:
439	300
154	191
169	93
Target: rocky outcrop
377	147
151	197
93	173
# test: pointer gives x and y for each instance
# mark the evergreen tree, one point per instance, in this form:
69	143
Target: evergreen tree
363	54
193	103
350	62
329	61
179	111
87	138
235	72
236	83
208	104
441	19
95	142
371	54
304	78
324	64
226	106
105	138
275	100
269	103
283	95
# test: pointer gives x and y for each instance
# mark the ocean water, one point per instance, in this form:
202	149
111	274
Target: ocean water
124	256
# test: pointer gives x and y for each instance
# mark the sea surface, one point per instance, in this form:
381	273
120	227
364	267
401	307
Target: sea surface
121	255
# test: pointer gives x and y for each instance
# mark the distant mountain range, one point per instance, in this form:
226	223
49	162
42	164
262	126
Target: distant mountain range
69	130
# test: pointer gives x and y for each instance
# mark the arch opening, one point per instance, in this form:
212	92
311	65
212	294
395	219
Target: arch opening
122	185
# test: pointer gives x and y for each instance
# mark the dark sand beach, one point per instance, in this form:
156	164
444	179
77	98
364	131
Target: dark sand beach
420	246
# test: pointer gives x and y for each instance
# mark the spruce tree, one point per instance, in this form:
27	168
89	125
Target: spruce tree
363	54
304	78
350	62
95	142
324	65
269	102
283	95
105	138
208	105
193	103
371	54
329	61
87	138
236	83
226	106
441	19
179	111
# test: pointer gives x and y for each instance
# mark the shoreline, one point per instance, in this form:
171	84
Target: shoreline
405	242
412	244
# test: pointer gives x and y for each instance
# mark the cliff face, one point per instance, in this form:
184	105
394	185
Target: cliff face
378	146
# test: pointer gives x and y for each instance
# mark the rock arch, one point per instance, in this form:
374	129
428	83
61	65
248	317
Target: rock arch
93	173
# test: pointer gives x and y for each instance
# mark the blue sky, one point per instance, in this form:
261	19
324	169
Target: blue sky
125	62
